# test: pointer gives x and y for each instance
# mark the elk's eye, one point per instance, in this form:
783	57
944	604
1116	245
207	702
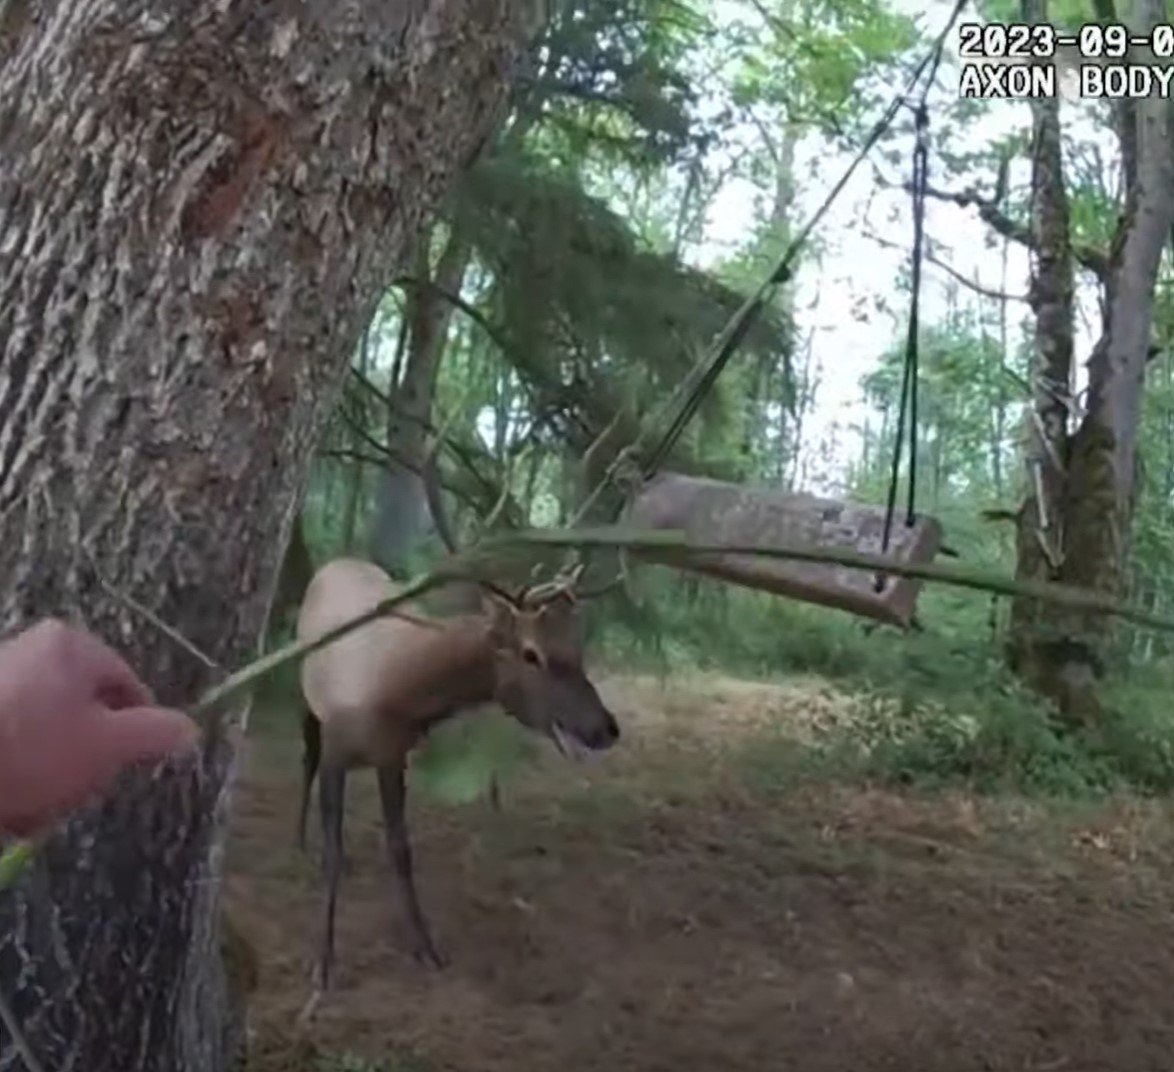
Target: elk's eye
531	656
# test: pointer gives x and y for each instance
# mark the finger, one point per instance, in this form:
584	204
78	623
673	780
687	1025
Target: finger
23	825
139	734
46	787
105	675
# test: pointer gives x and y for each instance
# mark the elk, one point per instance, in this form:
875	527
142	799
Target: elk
372	695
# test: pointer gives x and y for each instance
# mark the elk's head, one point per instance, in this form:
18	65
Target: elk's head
540	679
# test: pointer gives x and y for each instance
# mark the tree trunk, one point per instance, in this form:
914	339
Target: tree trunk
1078	530
1103	470
402	512
199	206
356	474
792	471
937	467
999	410
297	570
1040	531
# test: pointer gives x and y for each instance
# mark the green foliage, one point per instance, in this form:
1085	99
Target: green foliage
608	81
932	709
348	1062
280	694
815	61
980	730
995	737
1092	215
579	301
1063	14
458	758
970	403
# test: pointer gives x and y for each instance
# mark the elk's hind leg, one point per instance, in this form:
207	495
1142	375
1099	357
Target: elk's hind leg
311	758
331	800
392	794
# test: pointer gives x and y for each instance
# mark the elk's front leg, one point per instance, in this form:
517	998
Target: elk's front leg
399	850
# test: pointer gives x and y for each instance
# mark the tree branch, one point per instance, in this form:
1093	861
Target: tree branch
461	454
978	288
364	382
342	454
482	321
457	302
1089	257
973	284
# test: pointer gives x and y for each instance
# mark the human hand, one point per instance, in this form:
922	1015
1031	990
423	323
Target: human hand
72	716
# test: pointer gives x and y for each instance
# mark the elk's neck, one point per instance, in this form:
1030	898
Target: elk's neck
466	665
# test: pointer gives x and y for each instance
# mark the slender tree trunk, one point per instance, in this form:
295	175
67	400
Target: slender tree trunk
199	206
1105	461
793	462
297	570
1000	408
1168	435
503	406
1040	532
528	485
402	508
754	407
938	466
1089	492
782	211
356	473
401	349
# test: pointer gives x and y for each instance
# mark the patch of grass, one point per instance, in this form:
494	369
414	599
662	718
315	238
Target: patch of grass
403	1061
607	805
932	709
990	737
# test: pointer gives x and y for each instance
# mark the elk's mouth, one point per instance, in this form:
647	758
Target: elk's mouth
569	743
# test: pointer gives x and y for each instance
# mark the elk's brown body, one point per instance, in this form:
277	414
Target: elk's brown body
372	695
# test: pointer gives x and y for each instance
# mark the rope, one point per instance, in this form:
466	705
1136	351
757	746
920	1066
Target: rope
907	408
908	404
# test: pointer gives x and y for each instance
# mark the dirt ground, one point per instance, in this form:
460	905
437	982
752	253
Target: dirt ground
666	909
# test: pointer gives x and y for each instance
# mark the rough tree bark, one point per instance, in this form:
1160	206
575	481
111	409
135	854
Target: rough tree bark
199	206
1076	524
1039	536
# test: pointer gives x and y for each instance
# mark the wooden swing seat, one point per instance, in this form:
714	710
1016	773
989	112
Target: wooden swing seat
715	512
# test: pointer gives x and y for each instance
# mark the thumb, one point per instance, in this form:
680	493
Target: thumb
140	734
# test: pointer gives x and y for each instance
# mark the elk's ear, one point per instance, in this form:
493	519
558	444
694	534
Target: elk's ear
503	619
